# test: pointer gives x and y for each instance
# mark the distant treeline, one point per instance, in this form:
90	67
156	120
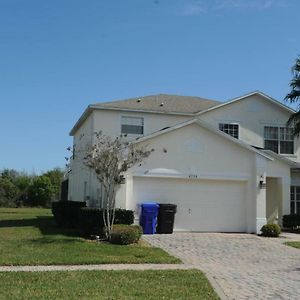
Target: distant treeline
22	189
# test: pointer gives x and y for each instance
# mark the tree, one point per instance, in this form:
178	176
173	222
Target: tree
8	193
56	177
40	192
9	174
294	96
110	158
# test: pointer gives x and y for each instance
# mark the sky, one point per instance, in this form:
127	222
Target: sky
58	56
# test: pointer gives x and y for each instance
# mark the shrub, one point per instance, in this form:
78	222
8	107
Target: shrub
125	234
66	213
291	221
91	220
270	230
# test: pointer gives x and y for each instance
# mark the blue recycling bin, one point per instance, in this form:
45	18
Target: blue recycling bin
148	217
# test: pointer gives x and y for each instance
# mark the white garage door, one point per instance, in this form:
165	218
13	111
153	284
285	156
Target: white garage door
202	205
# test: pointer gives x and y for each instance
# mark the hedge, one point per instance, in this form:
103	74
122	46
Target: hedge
91	220
291	221
66	212
126	234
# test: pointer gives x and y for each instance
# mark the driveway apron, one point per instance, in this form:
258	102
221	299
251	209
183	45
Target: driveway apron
241	266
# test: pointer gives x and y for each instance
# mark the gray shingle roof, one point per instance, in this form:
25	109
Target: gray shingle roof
162	103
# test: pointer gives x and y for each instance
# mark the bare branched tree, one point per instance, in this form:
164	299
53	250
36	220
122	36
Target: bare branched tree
110	158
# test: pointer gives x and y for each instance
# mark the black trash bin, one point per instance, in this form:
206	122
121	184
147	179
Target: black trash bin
165	218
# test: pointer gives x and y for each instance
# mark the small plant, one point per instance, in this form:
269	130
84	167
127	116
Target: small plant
270	230
125	234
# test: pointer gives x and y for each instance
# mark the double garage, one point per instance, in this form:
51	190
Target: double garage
203	205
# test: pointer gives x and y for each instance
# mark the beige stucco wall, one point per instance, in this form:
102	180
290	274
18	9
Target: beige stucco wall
193	150
252	114
110	121
274	204
79	173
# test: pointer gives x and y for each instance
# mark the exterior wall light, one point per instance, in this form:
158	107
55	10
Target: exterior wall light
262	182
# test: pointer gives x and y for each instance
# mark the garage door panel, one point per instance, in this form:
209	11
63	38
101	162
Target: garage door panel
202	205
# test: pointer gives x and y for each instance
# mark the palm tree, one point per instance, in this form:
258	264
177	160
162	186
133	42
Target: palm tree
294	96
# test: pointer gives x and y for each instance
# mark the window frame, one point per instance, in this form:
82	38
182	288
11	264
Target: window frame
295	202
132	117
287	138
231	124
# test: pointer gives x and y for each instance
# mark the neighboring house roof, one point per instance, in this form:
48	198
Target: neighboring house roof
162	103
268	98
209	128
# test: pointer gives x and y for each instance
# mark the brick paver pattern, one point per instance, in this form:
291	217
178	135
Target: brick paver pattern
244	266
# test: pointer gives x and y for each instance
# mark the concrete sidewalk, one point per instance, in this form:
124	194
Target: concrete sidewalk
103	267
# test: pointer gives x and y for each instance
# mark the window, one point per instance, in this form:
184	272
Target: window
132	125
231	129
279	139
295	200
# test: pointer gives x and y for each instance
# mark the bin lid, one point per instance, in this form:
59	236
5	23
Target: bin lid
167	205
149	204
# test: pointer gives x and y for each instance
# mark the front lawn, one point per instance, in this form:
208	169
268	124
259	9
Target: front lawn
30	237
293	244
124	285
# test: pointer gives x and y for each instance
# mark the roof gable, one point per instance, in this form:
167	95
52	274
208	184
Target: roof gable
209	128
240	98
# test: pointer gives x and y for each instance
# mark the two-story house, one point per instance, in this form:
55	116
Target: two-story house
228	166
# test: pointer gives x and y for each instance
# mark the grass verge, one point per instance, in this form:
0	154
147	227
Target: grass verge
30	237
124	285
293	244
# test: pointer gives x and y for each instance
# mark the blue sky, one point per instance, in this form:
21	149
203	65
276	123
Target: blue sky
57	56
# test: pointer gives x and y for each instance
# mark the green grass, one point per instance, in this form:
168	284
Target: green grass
293	244
123	285
30	237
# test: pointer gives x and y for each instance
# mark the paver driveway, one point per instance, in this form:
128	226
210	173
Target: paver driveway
243	266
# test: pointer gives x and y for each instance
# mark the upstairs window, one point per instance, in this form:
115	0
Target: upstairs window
231	129
132	125
279	139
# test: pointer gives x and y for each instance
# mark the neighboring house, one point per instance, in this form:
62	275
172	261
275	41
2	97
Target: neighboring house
229	167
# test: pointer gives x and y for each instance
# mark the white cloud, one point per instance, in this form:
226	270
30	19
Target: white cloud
192	8
247	4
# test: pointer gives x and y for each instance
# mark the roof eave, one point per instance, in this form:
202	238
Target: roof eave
97	107
82	118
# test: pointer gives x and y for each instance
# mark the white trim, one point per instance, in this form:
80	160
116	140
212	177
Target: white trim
287	108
